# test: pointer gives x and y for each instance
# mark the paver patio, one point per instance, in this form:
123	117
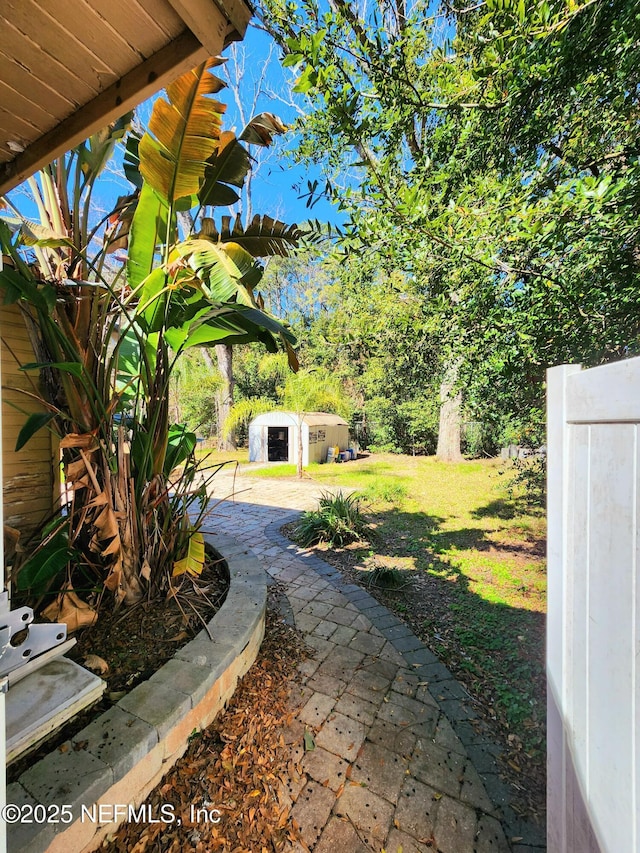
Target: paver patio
393	731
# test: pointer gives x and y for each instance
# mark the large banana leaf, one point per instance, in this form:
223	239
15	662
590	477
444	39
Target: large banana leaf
223	270
149	228
151	310
264	236
229	164
229	323
183	134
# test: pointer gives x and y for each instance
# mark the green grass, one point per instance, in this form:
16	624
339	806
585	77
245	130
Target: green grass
214	457
462	513
474	556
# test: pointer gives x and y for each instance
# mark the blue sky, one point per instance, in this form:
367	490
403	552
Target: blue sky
279	182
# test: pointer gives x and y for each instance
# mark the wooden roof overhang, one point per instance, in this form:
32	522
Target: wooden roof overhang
70	67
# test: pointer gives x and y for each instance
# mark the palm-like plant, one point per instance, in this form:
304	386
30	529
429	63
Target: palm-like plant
312	390
112	357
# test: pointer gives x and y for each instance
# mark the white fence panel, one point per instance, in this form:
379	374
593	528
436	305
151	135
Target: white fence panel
592	636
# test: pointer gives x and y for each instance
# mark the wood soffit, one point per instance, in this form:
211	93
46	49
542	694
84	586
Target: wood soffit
69	67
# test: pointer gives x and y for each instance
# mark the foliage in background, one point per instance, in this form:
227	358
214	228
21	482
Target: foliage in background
367	325
193	394
490	154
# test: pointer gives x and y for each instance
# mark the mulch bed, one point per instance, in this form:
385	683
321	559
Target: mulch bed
238	768
134	643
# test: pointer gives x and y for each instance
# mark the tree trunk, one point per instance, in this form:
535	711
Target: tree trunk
224	354
300	448
449	429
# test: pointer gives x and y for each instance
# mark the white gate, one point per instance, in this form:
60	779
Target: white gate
593	614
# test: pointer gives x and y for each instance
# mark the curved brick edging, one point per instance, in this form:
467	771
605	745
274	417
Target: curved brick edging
121	756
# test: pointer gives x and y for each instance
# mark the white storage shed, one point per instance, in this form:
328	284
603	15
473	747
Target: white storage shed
273	436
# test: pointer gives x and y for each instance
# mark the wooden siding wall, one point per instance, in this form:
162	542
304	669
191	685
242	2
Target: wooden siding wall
335	434
28	477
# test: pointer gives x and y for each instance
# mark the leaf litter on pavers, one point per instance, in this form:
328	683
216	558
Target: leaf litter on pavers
239	766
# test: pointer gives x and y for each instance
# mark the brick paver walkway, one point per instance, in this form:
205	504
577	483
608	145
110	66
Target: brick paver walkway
401	761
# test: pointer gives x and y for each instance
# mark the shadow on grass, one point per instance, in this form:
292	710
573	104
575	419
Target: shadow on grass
496	648
496	509
508	509
408	533
468	538
462	540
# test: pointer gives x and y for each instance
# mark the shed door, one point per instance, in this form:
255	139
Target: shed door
594	598
278	444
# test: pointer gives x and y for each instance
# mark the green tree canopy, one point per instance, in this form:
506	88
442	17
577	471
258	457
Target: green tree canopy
490	153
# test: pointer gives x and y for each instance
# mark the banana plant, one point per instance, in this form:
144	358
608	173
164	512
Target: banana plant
55	267
197	289
114	353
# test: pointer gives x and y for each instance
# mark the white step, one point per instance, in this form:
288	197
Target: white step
45	700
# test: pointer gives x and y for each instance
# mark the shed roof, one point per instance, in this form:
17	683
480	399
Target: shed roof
70	67
310	418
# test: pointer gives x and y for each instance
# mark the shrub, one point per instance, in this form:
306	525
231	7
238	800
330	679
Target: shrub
529	476
401	427
337	520
387	577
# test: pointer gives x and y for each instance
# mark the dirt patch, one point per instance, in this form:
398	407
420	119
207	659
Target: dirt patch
135	643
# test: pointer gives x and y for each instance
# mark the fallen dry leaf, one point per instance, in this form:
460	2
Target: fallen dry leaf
97	664
240	765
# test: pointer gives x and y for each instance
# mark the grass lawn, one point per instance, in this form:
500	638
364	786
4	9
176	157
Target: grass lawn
214	457
472	558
